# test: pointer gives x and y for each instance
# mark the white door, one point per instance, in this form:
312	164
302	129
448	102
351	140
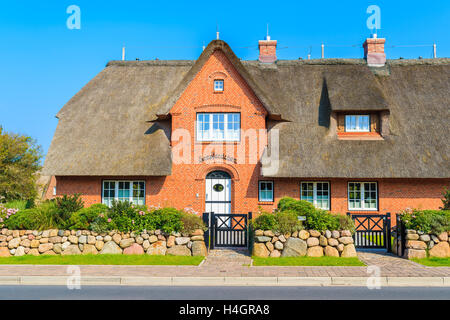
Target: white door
218	193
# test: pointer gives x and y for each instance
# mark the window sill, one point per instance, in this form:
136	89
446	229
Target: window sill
217	142
359	136
265	203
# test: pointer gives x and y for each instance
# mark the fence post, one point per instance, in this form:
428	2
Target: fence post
388	231
212	227
207	223
249	232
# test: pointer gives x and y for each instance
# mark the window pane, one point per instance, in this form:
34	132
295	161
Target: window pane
266	191
307	193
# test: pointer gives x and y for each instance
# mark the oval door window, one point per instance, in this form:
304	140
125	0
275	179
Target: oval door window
218	187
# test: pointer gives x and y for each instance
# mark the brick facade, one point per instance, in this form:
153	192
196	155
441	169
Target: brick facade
185	187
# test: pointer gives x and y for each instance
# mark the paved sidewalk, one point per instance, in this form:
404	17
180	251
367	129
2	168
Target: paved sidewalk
233	267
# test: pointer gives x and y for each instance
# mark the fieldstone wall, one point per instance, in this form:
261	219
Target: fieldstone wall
70	242
309	243
417	244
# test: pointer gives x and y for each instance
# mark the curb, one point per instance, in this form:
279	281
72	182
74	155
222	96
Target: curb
228	281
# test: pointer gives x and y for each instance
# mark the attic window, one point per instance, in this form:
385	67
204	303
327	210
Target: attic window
218	85
357	123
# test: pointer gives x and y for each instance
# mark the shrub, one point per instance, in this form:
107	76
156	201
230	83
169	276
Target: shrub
428	221
39	218
345	222
265	221
287	221
18	204
82	219
321	220
101	224
301	207
446	200
168	219
191	222
67	205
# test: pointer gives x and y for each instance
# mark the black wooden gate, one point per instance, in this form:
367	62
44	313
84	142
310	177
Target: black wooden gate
372	230
226	230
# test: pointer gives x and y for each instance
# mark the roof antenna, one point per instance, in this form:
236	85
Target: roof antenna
123	53
203	46
217	31
267	34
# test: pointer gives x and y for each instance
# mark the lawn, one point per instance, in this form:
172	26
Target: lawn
105	259
307	261
434	262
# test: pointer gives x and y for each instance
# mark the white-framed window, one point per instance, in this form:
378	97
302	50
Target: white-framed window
363	196
266	191
132	191
218	85
218	126
54	191
318	193
357	123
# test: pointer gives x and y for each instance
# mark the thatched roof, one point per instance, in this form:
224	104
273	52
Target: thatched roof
105	128
417	96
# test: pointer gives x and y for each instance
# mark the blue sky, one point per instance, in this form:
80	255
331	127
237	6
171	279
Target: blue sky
43	63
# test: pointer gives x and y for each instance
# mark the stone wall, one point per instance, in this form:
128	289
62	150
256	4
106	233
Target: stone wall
70	242
309	243
419	245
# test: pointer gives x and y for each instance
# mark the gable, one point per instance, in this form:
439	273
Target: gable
200	95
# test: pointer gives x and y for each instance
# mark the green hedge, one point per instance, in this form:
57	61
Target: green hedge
68	212
427	221
285	218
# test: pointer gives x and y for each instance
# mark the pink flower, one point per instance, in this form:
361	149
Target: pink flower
141	213
132	221
109	219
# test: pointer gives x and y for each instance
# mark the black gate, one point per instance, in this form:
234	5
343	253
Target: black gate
226	230
372	230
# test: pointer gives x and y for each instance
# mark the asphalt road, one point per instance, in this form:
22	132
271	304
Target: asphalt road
19	292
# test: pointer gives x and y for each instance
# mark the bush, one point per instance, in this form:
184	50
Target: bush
265	221
345	222
446	200
428	221
18	204
82	219
287	221
168	219
191	222
301	207
322	220
39	218
67	205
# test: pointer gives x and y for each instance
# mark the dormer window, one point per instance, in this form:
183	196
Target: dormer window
218	85
357	123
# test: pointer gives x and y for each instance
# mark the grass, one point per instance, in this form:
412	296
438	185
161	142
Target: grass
16	204
434	262
307	261
104	259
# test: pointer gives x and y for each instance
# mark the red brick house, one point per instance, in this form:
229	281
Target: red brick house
225	135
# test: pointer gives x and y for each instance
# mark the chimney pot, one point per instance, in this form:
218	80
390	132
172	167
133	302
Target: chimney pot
374	51
267	50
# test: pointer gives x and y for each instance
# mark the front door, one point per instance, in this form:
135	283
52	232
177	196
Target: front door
218	192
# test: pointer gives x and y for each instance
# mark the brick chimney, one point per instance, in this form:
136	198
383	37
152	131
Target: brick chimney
267	50
374	51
